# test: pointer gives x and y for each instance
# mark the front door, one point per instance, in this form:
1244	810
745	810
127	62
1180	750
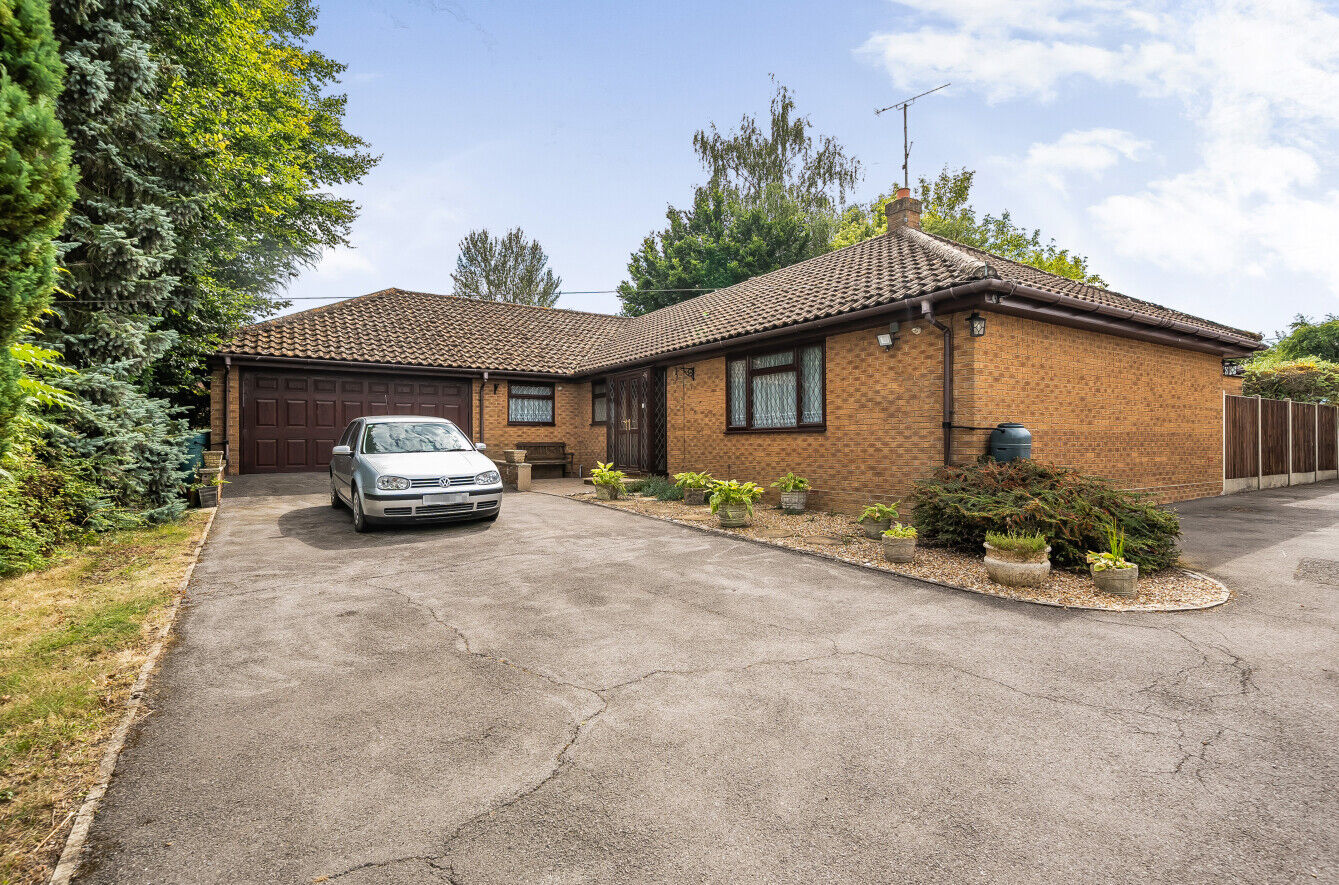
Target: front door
627	421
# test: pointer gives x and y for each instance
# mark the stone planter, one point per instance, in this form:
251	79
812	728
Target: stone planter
1017	569
1118	581
899	549
608	493
514	456
209	496
213	460
733	516
794	502
874	530
695	497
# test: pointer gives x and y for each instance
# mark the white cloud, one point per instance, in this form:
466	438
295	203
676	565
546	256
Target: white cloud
1088	152
1258	79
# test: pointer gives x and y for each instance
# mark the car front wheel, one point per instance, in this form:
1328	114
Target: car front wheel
360	523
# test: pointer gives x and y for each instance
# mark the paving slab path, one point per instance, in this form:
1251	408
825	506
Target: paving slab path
574	694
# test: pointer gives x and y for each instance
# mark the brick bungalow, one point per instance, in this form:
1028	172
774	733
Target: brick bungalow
861	369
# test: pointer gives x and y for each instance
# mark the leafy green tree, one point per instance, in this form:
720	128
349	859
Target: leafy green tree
719	242
772	198
36	187
1309	338
250	119
946	211
507	268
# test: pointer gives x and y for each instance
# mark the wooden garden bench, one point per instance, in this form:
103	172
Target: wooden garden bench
548	454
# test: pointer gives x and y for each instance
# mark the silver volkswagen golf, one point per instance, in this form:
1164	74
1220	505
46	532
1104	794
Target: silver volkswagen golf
402	467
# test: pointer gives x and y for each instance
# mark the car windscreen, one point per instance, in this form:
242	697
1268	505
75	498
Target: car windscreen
402	438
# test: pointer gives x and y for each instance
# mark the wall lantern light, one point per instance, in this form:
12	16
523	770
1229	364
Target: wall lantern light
976	325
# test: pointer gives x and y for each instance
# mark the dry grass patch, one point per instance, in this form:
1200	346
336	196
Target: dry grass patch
72	641
837	536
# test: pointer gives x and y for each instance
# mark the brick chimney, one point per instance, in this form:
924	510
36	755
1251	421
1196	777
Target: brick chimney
903	211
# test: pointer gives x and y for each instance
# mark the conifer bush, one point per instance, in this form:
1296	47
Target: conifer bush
957	506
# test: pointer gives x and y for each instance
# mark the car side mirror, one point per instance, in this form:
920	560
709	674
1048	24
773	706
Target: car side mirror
341	450
479	447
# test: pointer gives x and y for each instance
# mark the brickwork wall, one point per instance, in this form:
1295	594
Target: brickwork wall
884	416
571	412
1144	415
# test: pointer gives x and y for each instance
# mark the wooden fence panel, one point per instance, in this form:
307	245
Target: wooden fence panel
1242	450
1304	437
1274	436
1329	427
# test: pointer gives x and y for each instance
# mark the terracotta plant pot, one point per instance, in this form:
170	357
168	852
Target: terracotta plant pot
608	493
1017	569
875	530
1118	581
899	549
794	502
696	497
733	516
514	456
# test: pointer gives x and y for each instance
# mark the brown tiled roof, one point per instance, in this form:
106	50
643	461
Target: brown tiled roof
421	329
415	328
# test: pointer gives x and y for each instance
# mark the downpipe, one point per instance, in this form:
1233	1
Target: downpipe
928	312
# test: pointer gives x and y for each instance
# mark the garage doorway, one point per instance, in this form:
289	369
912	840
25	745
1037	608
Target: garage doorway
291	418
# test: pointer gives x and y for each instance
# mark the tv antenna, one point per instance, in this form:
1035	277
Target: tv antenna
906	145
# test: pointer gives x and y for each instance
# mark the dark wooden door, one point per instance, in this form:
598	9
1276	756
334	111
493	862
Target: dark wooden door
291	418
628	427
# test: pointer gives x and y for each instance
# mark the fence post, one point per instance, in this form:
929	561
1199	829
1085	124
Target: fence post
1224	486
1290	442
1259	443
1315	473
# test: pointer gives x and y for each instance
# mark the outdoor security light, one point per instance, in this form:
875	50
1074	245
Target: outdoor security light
976	325
885	340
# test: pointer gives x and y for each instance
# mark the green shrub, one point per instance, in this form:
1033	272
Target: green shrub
606	475
878	513
1027	543
693	480
660	488
959	504
1307	379
46	505
729	491
791	483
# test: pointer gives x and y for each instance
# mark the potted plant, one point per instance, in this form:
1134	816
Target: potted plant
210	490
899	543
694	485
794	492
213	459
1111	571
608	481
1017	559
876	518
732	502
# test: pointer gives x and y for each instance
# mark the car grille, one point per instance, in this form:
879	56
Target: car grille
430	509
436	482
398	511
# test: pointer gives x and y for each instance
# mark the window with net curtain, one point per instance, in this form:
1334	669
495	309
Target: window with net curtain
776	390
530	403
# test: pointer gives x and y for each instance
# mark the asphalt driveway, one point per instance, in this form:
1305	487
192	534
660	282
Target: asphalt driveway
574	695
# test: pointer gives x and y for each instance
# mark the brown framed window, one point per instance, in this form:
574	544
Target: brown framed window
599	402
529	403
776	389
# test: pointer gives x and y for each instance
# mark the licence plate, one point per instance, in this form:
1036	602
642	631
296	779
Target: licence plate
448	498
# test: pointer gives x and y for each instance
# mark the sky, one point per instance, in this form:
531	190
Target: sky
1187	148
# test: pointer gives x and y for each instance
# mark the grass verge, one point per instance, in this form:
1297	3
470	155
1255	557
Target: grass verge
72	641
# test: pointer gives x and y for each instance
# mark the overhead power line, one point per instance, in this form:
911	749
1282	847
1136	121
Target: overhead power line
346	297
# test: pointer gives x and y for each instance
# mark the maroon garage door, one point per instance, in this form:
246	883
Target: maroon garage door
291	419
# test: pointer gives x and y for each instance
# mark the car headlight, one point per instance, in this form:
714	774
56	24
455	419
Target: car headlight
392	483
488	478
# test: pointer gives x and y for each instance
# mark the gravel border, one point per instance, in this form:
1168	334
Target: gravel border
70	857
1170	590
